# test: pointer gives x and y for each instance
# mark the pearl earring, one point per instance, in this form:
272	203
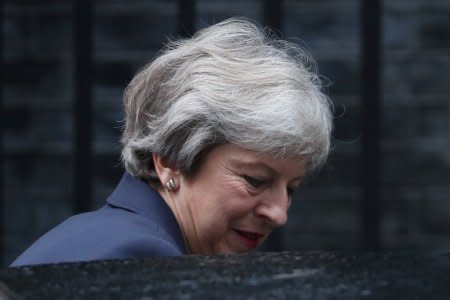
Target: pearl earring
171	185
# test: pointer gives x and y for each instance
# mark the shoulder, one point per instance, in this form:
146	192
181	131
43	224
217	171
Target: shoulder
108	233
127	234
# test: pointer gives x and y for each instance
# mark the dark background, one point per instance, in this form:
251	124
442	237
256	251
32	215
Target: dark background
64	65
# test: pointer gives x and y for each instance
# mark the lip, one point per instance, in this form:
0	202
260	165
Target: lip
249	242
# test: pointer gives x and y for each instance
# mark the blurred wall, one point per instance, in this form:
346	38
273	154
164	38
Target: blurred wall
38	101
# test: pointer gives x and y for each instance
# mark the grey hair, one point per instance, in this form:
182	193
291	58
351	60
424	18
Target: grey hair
232	82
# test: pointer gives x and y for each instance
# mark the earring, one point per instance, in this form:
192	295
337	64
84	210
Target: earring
171	185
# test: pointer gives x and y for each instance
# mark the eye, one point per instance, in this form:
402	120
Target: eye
254	182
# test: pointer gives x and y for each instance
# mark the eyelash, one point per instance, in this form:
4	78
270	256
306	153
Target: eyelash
254	182
257	183
290	192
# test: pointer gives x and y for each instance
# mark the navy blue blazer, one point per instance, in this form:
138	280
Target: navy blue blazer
135	222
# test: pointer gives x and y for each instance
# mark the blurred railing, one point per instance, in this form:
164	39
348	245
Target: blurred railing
370	117
2	125
82	23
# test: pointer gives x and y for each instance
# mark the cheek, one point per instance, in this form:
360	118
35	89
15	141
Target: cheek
239	201
226	203
231	203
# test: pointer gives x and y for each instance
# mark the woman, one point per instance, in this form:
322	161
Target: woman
220	130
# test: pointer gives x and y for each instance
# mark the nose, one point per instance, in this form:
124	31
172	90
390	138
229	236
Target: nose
273	208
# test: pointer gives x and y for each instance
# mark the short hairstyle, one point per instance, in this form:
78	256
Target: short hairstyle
233	82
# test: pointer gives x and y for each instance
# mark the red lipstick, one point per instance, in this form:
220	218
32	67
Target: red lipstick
250	239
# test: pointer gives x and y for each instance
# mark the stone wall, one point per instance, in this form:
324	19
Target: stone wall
38	99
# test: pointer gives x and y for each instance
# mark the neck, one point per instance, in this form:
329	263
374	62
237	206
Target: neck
182	214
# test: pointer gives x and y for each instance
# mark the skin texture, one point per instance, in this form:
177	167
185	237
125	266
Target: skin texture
233	202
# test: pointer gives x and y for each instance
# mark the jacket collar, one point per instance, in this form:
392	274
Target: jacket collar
137	196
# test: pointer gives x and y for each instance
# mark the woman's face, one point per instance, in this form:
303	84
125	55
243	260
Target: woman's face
235	200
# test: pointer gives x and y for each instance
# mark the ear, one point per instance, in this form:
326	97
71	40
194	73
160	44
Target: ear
165	170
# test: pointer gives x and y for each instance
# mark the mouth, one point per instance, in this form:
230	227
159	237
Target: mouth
250	239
